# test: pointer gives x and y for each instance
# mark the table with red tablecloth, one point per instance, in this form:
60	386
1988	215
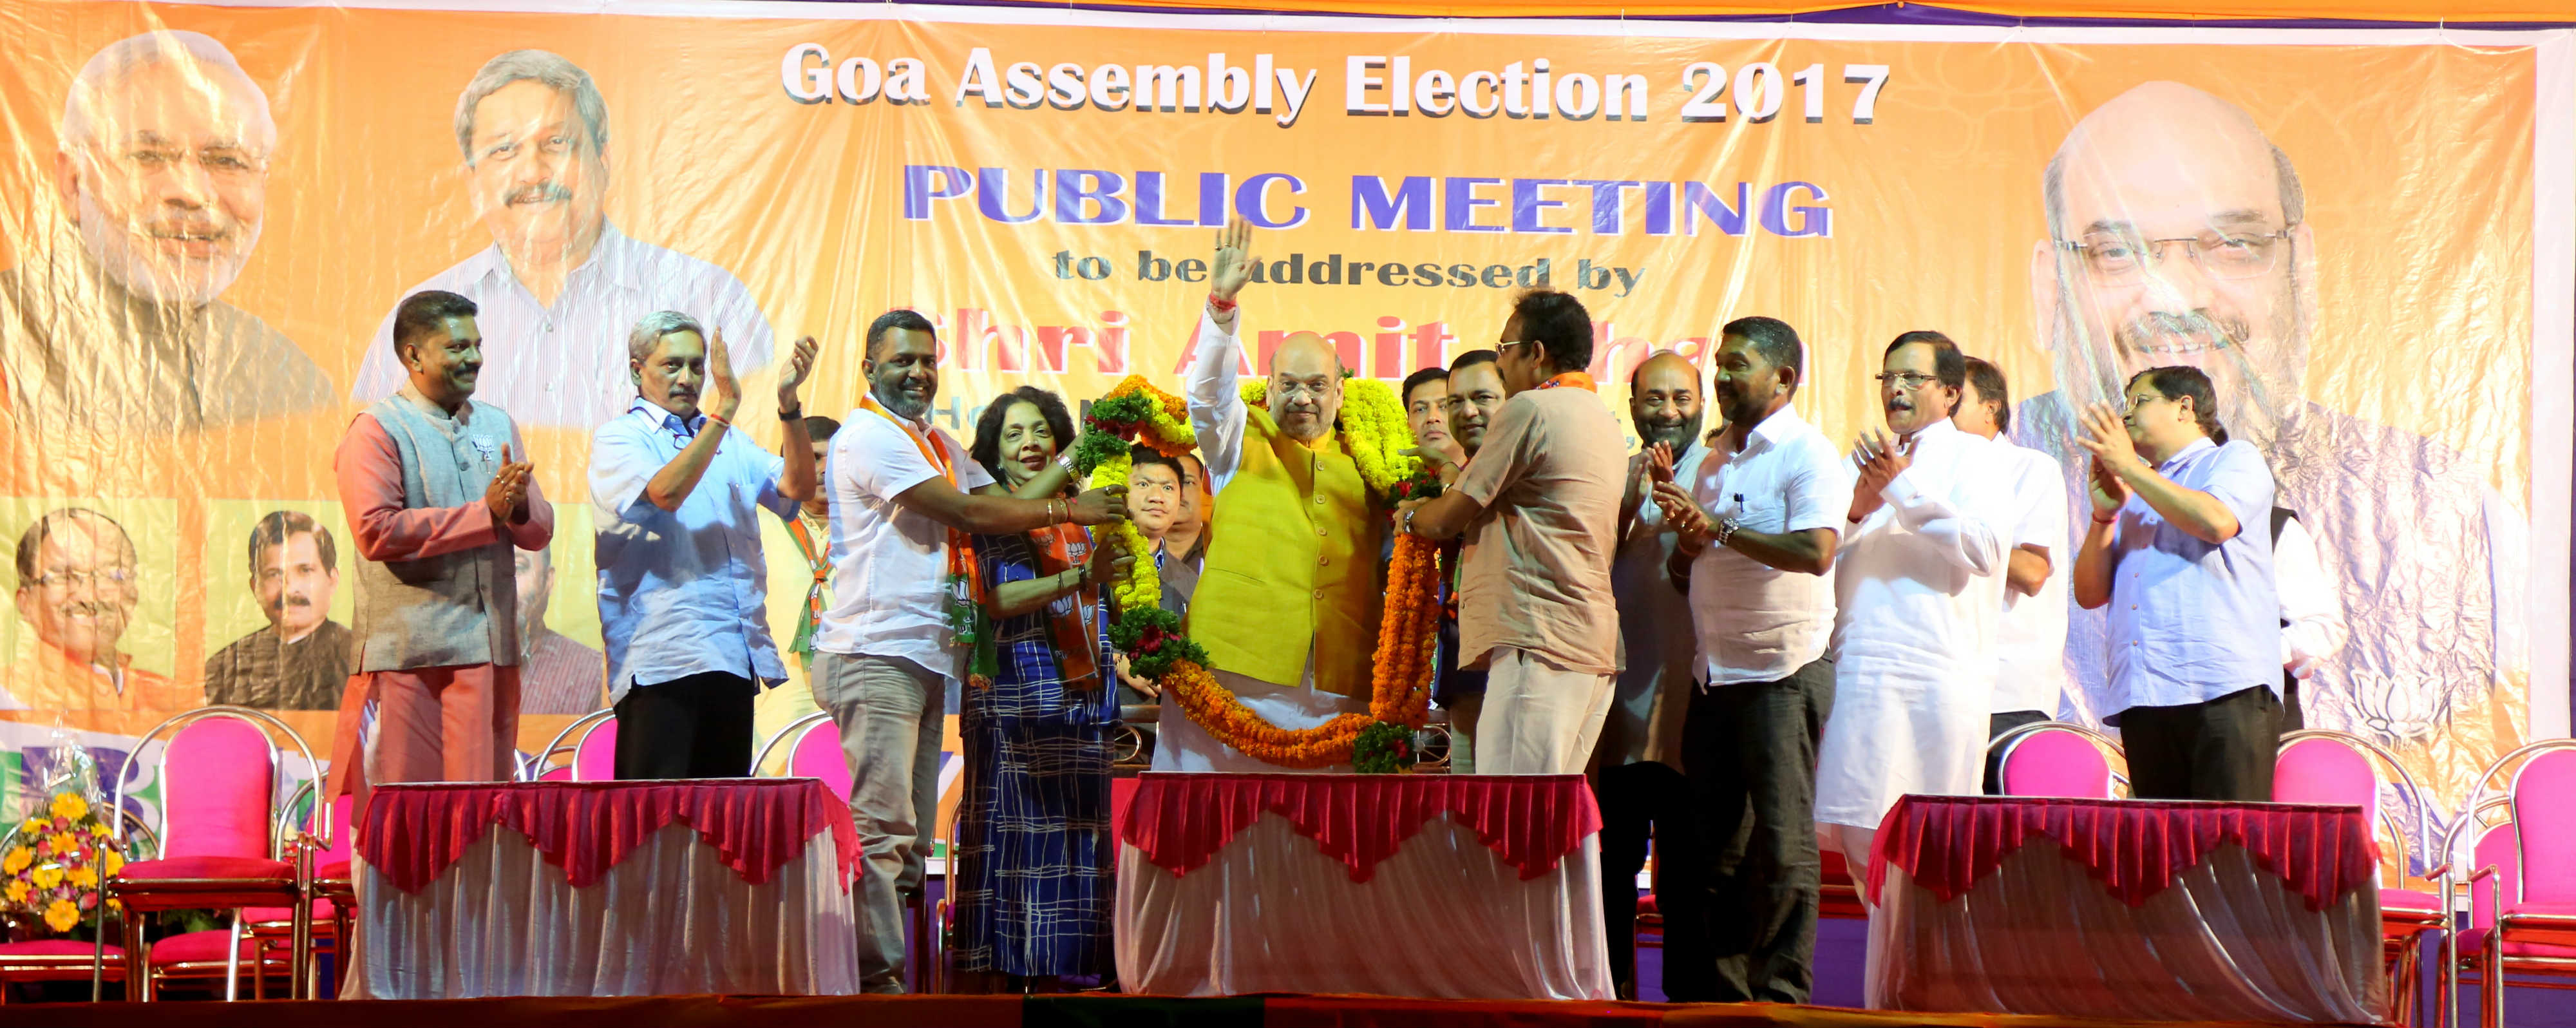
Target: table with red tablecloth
605	889
1449	886
2127	910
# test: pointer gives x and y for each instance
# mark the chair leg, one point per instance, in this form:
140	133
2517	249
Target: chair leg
2491	1012
300	955
232	960
138	960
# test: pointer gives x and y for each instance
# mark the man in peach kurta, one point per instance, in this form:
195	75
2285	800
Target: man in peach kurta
436	504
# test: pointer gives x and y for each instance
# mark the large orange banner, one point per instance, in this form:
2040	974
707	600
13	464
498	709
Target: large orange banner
211	212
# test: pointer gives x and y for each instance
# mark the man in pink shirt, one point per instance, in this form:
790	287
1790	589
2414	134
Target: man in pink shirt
436	504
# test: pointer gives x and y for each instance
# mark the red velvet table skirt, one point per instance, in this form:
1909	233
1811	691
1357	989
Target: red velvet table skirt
1179	821
2127	910
411	833
2135	848
1215	898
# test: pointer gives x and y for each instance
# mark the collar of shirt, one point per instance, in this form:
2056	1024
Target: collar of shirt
668	421
464	411
2184	455
1934	430
1781	425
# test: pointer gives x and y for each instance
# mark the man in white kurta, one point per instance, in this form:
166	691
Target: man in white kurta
2030	643
1919	579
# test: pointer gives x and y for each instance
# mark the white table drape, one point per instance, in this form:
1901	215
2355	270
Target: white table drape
1444	918
669	919
2228	941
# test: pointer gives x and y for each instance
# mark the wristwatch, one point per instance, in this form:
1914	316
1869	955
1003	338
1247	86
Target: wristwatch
1726	530
791	413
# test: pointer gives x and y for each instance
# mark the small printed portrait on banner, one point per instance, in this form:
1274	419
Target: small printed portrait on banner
558	674
91	638
282	641
2179	233
560	285
114	320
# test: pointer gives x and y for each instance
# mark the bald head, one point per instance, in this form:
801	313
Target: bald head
1664	401
2164	147
1305	386
2178	237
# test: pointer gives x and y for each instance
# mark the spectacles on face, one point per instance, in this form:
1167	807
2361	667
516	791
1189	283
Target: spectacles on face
1504	348
2139	402
1313	390
66	579
2121	258
1905	380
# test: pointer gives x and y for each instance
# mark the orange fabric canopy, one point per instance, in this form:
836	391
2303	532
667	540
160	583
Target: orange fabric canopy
2373	10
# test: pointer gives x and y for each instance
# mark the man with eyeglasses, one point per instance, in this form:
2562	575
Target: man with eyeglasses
2178	235
2030	678
1919	583
77	590
163	172
1538	507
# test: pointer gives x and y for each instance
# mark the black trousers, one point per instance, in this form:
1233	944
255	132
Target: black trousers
1638	801
1750	750
1996	726
693	727
2292	717
2219	749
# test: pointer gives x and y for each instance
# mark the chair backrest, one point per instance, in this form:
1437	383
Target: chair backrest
2500	848
817	754
2544	817
2321	770
557	773
594	758
343	832
2056	763
218	779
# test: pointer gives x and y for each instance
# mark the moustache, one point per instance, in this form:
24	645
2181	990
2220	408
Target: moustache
537	192
193	230
296	601
2177	334
84	608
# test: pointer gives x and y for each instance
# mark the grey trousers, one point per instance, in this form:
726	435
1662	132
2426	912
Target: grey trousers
888	710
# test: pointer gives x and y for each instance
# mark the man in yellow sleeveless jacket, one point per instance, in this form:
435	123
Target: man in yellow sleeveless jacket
1287	605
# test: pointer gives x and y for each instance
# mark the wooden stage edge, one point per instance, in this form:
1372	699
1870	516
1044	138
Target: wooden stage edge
1264	1011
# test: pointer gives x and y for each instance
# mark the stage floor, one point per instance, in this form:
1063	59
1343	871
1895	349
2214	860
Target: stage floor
1297	1011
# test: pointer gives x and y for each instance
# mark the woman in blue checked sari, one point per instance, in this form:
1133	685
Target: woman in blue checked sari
1034	888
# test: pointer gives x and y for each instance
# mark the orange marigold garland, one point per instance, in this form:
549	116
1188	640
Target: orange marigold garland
1400	693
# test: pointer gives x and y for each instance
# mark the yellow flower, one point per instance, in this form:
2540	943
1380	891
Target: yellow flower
110	862
63	845
17	890
62	915
17	860
33	826
84	878
47	877
70	806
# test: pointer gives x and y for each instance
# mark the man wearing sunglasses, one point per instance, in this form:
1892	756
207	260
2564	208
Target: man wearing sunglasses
1919	584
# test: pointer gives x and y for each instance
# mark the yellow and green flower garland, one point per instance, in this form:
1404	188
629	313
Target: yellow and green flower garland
1374	432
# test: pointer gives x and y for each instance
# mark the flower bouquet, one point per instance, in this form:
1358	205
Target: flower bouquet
50	870
1384	748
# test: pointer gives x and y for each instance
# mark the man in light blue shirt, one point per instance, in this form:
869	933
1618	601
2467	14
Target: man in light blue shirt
683	599
2195	626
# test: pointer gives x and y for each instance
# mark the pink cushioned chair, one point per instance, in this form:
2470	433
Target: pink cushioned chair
2528	916
321	844
811	746
592	741
2346	770
2055	758
220	777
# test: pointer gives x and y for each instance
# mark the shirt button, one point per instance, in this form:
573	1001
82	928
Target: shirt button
1319	531
1319	594
1323	561
1319	501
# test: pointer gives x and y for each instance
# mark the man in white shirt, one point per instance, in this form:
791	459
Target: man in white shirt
1919	583
2312	625
2030	671
1759	523
560	286
683	586
904	500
